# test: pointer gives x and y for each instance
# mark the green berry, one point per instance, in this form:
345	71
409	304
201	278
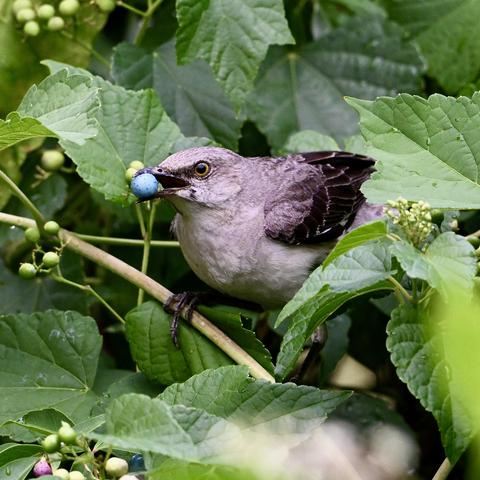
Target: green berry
55	24
68	7
31	28
61	473
76	475
32	234
116	467
20	5
137	165
105	5
129	173
51	443
51	227
52	159
67	434
50	259
27	270
25	15
45	11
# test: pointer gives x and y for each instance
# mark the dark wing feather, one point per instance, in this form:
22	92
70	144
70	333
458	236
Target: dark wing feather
319	198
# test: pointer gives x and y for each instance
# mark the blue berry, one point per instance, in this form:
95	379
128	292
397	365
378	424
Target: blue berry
144	185
137	463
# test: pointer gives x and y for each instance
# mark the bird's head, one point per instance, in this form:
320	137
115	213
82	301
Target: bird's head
206	176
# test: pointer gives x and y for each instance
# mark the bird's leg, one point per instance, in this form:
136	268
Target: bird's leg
319	339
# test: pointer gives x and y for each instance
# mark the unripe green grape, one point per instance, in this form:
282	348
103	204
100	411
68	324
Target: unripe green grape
55	24
116	467
129	173
51	227
105	5
51	443
32	234
27	270
76	475
25	15
31	28
50	259
68	7
45	11
20	5
67	434
52	159
61	473
137	165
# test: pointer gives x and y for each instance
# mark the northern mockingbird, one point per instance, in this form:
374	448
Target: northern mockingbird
254	228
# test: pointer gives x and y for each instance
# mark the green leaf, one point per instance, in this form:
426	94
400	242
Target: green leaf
148	333
363	234
415	343
16	461
304	89
138	423
65	104
449	259
448	37
426	149
49	360
189	93
308	141
276	408
361	270
15	129
232	36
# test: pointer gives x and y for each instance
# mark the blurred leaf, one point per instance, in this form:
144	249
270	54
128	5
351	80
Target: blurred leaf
448	36
271	408
232	36
308	141
448	259
49	361
65	104
15	129
363	234
416	344
361	270
304	89
189	93
152	348
426	149
16	461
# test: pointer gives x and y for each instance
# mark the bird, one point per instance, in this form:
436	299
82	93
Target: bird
254	228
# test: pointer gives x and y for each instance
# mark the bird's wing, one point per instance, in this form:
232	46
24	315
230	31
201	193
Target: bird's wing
319	198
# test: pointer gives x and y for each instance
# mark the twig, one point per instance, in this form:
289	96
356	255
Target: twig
443	470
127	242
154	289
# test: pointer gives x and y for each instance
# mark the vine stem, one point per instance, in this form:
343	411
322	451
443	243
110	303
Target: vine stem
399	287
37	215
146	248
153	288
443	470
87	47
127	242
131	8
146	21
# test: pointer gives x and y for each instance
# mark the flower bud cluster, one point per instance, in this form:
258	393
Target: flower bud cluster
414	218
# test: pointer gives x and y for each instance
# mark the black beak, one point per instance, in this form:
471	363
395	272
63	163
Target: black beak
166	179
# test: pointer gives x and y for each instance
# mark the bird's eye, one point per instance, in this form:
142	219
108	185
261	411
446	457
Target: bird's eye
201	169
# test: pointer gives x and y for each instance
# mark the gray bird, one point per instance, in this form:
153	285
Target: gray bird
254	228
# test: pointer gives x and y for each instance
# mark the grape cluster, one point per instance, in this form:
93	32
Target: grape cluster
414	218
35	16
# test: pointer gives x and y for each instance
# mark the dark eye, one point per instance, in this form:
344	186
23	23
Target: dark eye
201	169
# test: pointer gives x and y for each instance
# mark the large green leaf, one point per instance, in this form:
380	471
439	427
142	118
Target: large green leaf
229	393
189	93
448	36
65	104
148	332
308	141
15	129
415	343
232	36
361	270
304	89
426	149
449	259
16	461
48	360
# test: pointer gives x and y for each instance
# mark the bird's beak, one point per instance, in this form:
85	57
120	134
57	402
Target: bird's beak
169	181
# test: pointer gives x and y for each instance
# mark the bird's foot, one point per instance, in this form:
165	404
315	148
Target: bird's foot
176	304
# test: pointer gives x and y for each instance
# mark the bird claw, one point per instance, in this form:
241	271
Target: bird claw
175	305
